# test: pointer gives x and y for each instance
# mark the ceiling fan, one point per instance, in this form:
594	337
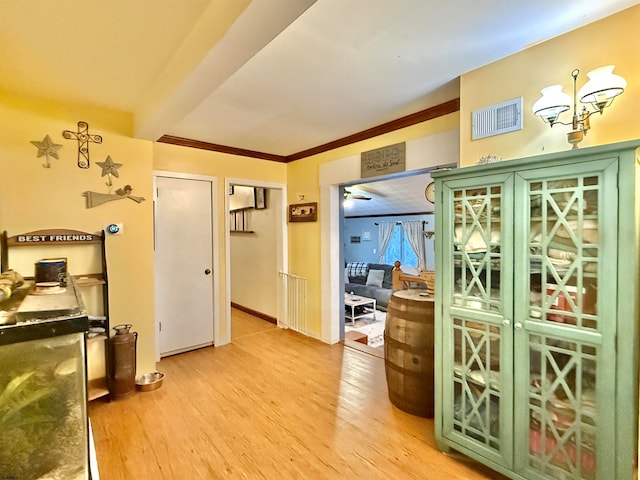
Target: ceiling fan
354	196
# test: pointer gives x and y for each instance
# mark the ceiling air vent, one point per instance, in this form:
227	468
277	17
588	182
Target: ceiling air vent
500	118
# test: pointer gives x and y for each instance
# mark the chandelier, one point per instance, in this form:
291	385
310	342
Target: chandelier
603	86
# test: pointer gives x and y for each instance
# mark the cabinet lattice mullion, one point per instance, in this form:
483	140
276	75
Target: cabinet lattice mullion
532	345
477	414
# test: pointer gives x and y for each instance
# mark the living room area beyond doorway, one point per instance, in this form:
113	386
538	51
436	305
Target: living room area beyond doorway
384	222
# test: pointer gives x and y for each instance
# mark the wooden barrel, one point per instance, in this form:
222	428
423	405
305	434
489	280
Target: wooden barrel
408	351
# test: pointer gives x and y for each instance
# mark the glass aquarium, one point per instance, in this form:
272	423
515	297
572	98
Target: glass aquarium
43	401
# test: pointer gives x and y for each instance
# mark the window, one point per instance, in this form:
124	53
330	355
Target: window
400	249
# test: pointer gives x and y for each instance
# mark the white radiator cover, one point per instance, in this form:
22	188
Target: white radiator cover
293	311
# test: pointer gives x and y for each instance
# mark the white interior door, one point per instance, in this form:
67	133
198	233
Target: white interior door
183	264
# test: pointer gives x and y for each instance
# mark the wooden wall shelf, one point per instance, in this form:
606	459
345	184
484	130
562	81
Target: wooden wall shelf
96	346
89	280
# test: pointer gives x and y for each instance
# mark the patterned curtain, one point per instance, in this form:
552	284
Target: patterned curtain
385	232
415	235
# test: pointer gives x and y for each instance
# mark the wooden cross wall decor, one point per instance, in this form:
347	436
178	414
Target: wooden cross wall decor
84	137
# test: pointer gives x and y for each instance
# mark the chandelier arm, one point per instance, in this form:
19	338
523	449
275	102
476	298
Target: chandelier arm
556	122
574	74
586	113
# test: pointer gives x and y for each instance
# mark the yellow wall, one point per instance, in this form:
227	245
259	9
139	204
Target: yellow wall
613	40
35	198
254	257
202	162
302	177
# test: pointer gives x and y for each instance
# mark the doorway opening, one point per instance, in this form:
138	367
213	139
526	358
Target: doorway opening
384	221
424	154
255	230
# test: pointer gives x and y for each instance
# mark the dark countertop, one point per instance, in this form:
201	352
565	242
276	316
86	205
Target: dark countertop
29	316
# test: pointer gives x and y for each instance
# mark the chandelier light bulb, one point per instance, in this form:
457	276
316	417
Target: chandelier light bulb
552	103
603	86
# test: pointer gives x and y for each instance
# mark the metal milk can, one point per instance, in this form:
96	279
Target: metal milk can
121	362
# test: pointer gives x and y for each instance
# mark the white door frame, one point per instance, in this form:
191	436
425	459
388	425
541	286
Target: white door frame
422	153
215	247
282	260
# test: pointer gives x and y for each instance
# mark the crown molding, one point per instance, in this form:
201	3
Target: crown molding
422	116
214	147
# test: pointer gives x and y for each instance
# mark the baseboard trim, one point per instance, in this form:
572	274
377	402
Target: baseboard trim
255	313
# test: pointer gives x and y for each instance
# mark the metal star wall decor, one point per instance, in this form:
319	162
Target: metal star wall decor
84	138
47	148
109	168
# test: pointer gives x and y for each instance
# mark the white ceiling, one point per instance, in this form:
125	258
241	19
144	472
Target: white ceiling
400	195
273	76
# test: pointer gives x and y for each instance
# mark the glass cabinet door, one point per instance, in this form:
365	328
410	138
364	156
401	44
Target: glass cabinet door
477	266
563	340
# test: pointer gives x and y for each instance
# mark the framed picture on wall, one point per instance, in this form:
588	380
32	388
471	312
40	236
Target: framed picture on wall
261	201
303	212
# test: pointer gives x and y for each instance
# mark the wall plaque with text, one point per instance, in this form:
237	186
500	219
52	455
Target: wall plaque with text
382	161
53	237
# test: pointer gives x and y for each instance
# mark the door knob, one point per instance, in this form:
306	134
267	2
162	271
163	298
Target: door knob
207	271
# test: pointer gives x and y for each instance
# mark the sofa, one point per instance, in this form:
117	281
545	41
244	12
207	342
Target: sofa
372	280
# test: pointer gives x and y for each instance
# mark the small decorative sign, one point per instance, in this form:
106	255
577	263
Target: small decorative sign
303	212
48	237
383	161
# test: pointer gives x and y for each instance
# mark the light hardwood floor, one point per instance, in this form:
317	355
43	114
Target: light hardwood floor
273	405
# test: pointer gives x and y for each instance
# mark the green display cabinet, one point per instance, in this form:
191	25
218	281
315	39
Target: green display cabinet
537	313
